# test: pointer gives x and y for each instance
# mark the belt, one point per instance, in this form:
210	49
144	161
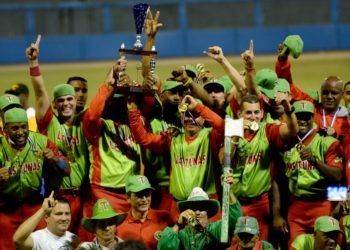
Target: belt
312	198
76	191
120	190
250	200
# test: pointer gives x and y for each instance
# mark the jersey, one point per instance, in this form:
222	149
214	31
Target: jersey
306	242
72	144
114	154
306	180
191	165
25	167
45	240
115	166
251	168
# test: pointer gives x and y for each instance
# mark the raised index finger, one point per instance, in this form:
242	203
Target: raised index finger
37	42
51	195
251	46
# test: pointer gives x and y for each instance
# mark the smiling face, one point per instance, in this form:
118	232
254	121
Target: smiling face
141	201
59	219
192	124
331	93
17	132
65	106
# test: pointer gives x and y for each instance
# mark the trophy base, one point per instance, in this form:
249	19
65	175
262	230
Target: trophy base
133	90
137	52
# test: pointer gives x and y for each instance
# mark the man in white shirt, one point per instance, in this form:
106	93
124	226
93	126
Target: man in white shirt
55	236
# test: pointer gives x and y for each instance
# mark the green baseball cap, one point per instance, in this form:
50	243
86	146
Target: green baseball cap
199	198
326	224
7	100
247	224
215	82
137	183
15	115
282	86
225	79
63	89
313	93
102	210
303	106
169	85
266	79
191	71
295	45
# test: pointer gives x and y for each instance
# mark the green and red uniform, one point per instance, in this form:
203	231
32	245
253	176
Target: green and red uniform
110	165
346	148
341	125
148	231
191	158
72	144
157	170
308	185
20	195
252	173
306	242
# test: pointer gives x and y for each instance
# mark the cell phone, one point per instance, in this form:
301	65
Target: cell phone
337	193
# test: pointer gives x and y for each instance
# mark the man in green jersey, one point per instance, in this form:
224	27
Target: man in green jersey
24	157
65	130
326	231
251	164
191	151
313	163
192	229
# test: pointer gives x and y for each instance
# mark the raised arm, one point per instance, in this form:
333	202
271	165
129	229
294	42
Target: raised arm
22	237
42	101
248	61
92	122
151	28
290	128
157	143
217	54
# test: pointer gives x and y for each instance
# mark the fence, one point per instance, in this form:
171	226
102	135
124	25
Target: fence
94	30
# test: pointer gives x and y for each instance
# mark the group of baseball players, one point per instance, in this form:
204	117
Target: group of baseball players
144	169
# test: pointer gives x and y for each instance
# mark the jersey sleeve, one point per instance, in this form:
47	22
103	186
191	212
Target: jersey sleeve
169	240
217	124
334	155
273	135
92	122
157	143
44	123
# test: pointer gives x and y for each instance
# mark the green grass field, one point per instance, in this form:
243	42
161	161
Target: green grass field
308	71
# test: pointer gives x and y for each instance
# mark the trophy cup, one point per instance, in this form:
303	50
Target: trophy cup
140	13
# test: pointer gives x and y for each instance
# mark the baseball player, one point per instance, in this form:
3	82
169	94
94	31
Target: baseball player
65	130
23	155
191	152
313	163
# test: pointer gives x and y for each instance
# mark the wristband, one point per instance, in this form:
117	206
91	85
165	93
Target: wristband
34	71
291	111
61	164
